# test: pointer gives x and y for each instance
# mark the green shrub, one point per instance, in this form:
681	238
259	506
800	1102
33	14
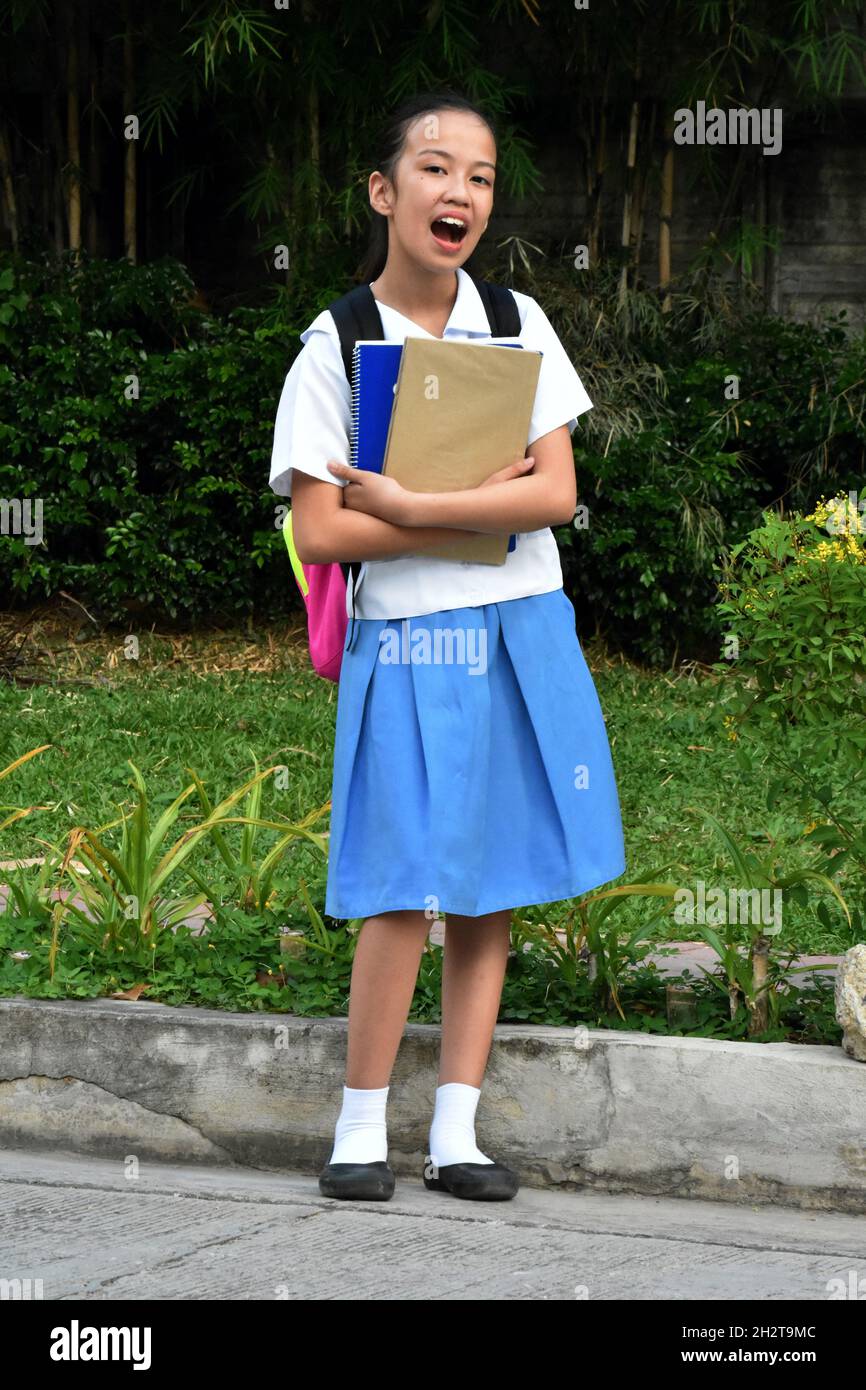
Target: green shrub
793	597
703	418
157	503
145	427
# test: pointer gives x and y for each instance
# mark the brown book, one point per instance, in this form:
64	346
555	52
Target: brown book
462	411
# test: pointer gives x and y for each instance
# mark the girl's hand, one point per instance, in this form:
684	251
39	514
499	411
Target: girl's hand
511	470
373	493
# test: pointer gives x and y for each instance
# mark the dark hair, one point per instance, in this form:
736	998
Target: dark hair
390	145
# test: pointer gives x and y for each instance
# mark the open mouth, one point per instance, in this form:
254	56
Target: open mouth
452	232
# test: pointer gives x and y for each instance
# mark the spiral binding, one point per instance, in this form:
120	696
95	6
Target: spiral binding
356	371
355	567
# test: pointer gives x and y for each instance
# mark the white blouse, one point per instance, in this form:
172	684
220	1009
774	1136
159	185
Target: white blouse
313	425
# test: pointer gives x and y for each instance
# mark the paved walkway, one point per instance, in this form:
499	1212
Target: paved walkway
172	1233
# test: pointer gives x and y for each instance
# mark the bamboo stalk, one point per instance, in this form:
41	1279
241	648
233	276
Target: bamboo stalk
640	197
73	138
763	264
51	116
314	134
94	167
666	203
8	184
130	206
297	205
594	240
628	195
595	147
313	139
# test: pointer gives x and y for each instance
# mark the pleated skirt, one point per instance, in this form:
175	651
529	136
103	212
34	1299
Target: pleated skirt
472	768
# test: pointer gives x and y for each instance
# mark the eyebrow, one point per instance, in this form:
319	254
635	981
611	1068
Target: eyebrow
485	162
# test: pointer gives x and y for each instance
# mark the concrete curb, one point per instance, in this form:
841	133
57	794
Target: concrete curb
616	1112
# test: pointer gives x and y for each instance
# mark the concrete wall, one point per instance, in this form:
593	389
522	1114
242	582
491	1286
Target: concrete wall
814	191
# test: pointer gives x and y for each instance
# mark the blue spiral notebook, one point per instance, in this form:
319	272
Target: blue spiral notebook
375	368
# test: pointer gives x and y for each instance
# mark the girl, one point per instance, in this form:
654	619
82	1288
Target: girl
465	787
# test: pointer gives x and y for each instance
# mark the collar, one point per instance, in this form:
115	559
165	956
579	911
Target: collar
467	314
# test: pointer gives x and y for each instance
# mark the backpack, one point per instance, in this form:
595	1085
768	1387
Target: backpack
323	586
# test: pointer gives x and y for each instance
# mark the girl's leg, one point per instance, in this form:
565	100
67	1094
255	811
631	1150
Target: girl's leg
476	953
473	972
384	974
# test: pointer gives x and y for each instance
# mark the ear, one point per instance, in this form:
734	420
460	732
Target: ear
379	193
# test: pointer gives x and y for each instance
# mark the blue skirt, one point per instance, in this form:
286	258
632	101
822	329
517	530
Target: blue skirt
472	769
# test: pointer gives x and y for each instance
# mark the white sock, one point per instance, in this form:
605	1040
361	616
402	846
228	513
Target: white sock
361	1135
452	1133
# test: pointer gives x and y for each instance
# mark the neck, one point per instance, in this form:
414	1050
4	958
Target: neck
405	284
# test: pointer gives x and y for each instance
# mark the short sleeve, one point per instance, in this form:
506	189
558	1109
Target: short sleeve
560	396
314	414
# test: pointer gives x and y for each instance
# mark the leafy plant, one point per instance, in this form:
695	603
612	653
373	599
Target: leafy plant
19	812
329	943
793	602
29	894
838	830
126	897
253	883
591	937
752	980
144	427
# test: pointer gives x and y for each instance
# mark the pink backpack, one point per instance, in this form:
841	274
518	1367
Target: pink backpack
323	589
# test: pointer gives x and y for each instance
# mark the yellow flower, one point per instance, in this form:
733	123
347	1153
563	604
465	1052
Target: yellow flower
842	516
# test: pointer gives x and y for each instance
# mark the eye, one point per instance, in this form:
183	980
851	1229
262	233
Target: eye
439	166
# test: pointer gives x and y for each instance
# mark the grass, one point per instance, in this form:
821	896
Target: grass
212	701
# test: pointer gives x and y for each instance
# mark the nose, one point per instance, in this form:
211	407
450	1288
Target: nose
458	191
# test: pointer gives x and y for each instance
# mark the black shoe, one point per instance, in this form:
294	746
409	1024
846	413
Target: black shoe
370	1182
479	1182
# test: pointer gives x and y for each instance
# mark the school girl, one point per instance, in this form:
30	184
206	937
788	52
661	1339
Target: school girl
459	788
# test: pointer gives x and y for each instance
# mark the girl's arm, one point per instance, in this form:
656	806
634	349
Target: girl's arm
326	531
518	502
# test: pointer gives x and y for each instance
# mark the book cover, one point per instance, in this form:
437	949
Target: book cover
462	411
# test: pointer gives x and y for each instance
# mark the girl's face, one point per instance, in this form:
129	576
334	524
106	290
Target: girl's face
446	170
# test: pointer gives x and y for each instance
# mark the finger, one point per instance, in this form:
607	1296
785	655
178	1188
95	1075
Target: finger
519	466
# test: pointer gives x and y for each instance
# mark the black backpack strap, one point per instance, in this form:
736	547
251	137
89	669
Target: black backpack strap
356	316
501	308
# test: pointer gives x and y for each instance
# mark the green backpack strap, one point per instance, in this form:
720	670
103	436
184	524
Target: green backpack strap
297	567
